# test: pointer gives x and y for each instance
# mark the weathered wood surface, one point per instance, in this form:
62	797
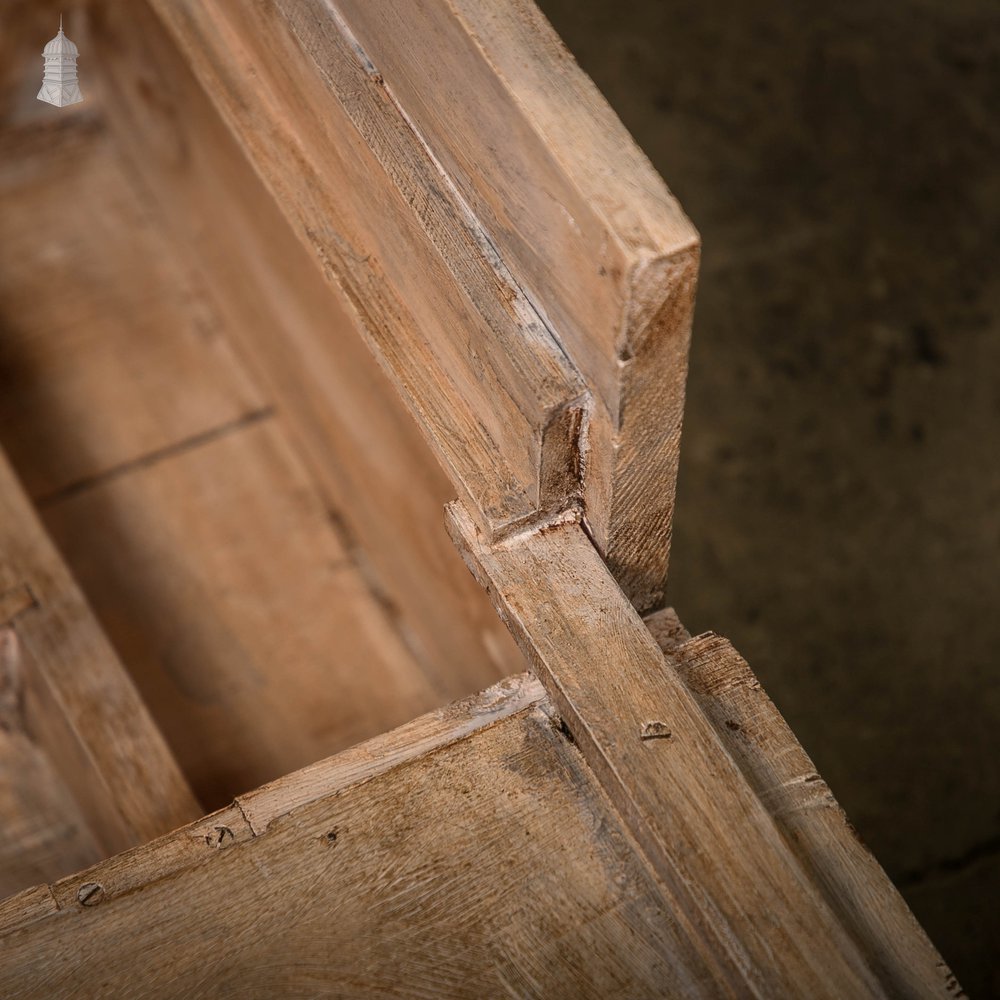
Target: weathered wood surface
523	197
80	755
805	810
89	378
493	866
686	848
480	369
246	628
172	487
367	760
45	834
298	336
713	842
581	218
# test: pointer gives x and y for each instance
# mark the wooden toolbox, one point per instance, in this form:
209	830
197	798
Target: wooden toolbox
293	277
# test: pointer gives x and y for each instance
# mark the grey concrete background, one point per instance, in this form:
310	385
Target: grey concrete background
839	501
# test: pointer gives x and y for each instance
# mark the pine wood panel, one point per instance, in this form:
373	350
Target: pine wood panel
491	867
581	218
84	768
479	368
223	585
94	308
45	835
299	338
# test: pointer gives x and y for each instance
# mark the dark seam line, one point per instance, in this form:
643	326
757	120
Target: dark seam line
152	457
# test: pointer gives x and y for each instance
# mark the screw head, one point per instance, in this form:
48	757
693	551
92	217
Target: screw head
90	894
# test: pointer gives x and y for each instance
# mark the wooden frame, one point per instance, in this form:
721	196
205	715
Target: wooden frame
440	183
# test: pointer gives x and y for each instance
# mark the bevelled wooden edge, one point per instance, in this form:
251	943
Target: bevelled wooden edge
251	814
77	701
584	222
706	830
804	809
376	756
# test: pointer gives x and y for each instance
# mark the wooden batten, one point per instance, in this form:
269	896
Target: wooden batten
804	809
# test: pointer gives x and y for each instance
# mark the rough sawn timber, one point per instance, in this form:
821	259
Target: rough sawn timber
63	689
491	866
583	221
807	814
481	371
722	856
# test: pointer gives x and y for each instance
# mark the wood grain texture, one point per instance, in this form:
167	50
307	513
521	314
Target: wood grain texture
583	221
223	585
805	811
477	365
368	760
88	291
491	867
81	754
45	835
706	834
298	337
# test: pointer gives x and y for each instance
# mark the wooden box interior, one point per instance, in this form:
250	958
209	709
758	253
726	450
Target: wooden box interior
244	501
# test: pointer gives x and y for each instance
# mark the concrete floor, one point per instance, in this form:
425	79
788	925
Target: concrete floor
839	507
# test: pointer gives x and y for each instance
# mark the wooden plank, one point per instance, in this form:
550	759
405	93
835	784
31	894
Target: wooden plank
97	320
44	833
710	840
222	583
586	226
376	756
252	813
132	871
805	811
300	341
30	904
477	365
491	867
90	732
